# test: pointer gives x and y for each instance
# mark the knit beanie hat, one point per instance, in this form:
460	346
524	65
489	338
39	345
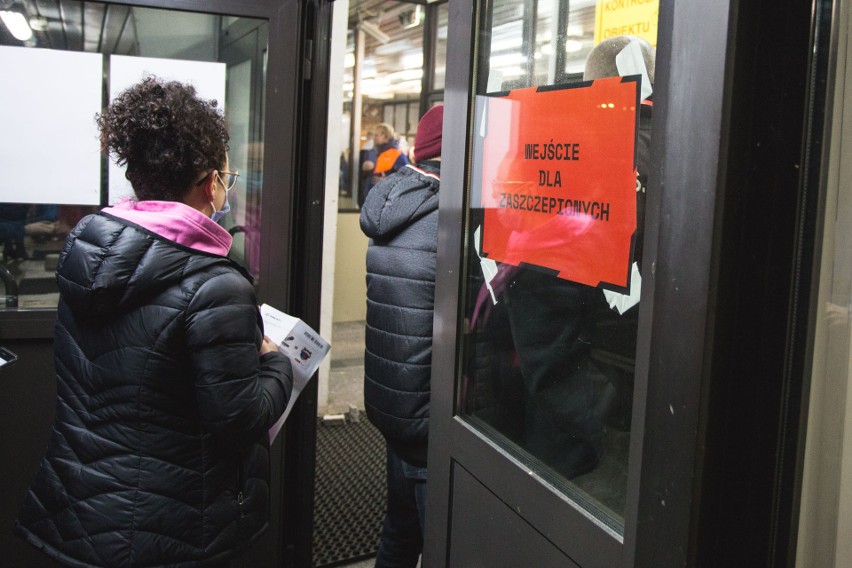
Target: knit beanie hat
427	142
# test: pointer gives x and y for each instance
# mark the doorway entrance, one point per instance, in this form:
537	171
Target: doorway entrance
387	64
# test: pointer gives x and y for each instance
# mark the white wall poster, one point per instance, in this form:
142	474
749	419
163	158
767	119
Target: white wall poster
49	148
207	78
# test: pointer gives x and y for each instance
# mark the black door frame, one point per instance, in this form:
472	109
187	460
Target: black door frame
295	120
703	130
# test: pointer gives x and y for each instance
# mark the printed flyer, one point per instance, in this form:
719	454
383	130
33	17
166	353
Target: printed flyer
304	346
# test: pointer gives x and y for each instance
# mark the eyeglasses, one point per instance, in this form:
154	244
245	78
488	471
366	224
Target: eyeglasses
229	180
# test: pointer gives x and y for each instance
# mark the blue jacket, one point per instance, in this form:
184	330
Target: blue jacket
400	216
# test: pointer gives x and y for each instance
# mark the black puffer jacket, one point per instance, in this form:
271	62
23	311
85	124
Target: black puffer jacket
159	452
400	216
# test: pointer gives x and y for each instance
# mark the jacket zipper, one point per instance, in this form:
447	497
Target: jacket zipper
240	497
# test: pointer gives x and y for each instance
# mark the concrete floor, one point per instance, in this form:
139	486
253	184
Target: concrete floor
363	564
346	378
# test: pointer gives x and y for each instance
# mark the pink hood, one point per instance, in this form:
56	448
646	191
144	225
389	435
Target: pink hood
176	222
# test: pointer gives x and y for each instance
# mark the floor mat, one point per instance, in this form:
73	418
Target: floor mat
350	494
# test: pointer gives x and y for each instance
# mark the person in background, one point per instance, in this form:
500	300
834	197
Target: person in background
166	385
400	215
12	221
383	159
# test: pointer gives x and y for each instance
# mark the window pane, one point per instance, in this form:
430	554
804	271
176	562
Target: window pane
413	119
440	77
507	62
173	45
400	122
555	230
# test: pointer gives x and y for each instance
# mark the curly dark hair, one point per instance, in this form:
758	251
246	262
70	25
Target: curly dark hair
165	135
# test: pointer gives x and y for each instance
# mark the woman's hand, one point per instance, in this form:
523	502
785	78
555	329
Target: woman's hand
268	346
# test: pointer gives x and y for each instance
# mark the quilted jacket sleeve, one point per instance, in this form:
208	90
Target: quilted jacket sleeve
240	394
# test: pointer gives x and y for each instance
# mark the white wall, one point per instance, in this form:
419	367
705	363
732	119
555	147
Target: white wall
350	287
332	172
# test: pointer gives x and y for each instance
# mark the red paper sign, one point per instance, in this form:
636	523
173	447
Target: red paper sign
559	180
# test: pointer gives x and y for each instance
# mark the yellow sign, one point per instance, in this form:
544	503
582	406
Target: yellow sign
627	17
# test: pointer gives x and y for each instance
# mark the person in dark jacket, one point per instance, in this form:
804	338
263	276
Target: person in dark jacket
383	159
166	385
400	215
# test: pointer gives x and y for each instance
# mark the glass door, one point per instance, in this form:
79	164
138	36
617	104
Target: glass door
244	52
553	212
578	417
555	235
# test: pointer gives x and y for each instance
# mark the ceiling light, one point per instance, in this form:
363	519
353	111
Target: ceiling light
17	24
38	23
512	72
395	47
412	59
508	60
405	75
573	45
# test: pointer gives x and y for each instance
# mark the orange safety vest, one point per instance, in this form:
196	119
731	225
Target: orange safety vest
386	160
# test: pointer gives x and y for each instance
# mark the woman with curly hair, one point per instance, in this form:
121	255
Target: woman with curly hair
166	385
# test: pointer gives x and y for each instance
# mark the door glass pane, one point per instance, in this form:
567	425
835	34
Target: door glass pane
440	76
554	239
412	120
68	60
239	123
400	120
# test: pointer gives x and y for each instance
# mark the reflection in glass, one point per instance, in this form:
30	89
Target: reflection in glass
548	361
31	234
440	77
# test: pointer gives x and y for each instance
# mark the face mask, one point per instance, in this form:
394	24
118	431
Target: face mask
217	215
226	208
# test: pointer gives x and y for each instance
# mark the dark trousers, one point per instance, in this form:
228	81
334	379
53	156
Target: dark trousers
402	532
